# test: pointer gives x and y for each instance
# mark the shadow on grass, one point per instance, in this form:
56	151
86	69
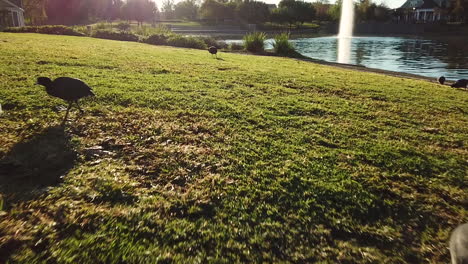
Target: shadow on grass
34	164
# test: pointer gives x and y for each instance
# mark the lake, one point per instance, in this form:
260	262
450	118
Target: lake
426	57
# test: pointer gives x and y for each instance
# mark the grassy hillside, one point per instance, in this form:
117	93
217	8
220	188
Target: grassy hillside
185	158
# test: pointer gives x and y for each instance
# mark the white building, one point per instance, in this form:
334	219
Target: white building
11	14
424	11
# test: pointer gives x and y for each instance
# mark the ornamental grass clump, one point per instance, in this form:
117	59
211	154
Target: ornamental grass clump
282	46
255	42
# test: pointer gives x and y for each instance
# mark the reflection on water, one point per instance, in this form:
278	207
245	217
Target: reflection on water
344	50
431	58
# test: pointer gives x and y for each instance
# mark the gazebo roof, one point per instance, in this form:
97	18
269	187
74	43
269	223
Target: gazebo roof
10	4
429	4
412	4
426	4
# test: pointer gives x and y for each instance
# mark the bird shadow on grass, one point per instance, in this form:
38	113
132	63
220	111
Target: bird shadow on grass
34	164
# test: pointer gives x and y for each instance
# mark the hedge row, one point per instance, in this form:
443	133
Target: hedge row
176	41
169	39
115	35
253	42
55	30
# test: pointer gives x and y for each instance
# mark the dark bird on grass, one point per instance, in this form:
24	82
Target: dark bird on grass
462	83
66	88
213	50
441	79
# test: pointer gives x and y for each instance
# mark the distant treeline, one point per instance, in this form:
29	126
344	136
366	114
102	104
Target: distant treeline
72	12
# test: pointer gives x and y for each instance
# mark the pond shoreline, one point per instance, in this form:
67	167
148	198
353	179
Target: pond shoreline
379	71
360	68
373	70
426	57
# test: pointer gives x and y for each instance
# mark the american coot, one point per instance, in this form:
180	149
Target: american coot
66	88
441	79
462	83
213	50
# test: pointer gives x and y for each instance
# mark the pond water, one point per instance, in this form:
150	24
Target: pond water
426	57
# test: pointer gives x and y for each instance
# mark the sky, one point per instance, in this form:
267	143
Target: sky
389	3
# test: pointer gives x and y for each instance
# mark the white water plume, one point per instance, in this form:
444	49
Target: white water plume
346	31
344	50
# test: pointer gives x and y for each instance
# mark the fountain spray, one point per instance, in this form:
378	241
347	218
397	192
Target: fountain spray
346	31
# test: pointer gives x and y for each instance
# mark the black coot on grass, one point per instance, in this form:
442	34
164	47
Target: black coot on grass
441	79
213	50
462	83
66	88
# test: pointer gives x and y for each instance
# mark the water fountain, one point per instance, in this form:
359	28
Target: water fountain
346	31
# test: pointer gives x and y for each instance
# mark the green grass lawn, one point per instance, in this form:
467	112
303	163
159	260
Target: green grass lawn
134	25
184	24
182	158
307	25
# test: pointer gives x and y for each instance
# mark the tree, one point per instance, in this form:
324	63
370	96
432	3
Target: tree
105	9
139	10
99	9
283	15
71	12
335	11
382	13
459	10
366	10
67	12
35	11
214	10
304	11
115	10
168	9
187	9
253	11
293	11
321	10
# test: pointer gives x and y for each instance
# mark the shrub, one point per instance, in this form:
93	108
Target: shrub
209	41
101	26
176	40
255	42
107	34
151	30
20	29
282	46
54	30
81	29
236	46
58	30
222	45
186	42
124	26
163	29
157	39
143	31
